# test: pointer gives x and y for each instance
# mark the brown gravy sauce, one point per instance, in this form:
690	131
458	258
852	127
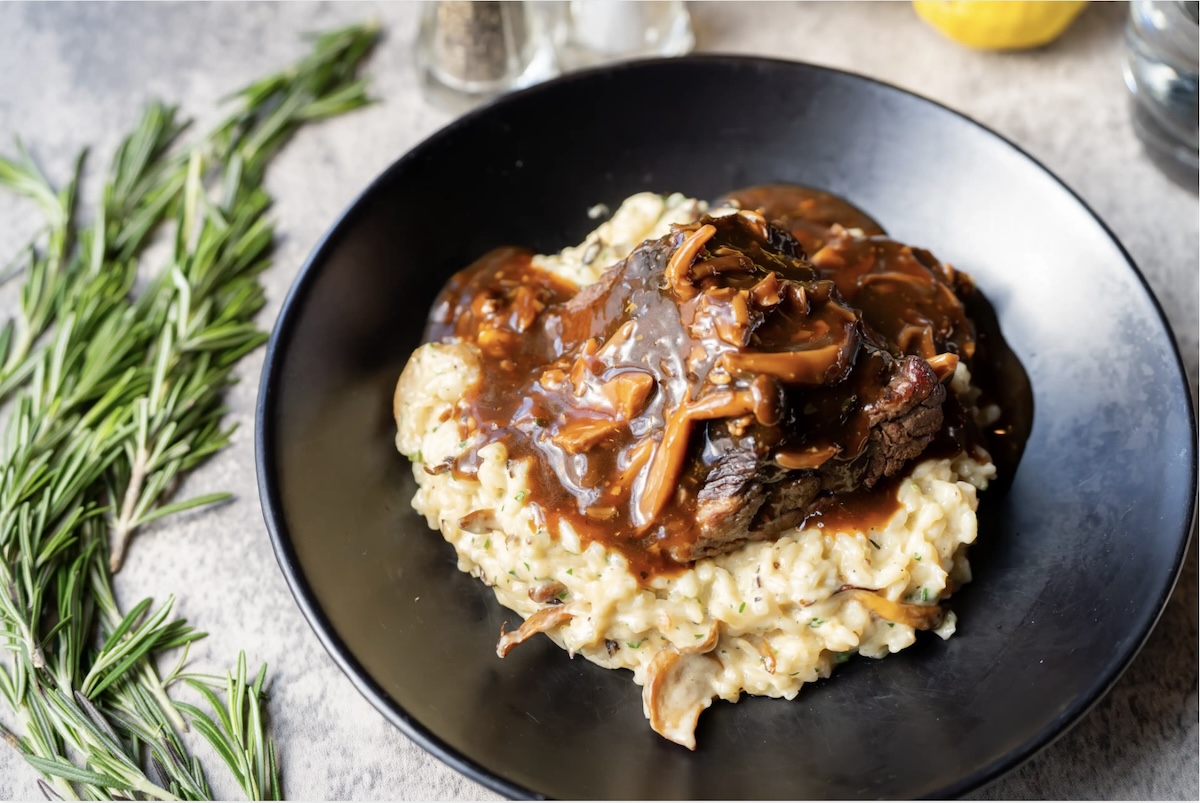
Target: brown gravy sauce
860	510
617	395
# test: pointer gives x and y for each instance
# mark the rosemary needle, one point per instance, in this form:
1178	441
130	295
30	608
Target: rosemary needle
114	395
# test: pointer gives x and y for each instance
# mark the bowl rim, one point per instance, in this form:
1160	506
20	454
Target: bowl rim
265	441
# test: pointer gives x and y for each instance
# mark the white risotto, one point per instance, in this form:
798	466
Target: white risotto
764	619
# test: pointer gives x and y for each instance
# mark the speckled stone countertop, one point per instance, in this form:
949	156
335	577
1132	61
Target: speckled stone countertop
74	75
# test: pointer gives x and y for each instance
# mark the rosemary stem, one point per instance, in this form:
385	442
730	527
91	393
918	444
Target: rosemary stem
151	790
64	789
154	683
123	526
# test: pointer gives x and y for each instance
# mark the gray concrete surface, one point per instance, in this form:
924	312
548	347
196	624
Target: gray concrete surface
74	75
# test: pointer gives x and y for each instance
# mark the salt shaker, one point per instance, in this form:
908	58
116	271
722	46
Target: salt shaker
469	51
592	32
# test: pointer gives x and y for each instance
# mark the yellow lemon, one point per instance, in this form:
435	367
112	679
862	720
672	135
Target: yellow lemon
1004	25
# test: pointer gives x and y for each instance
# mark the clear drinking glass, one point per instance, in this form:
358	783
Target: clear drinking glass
1161	73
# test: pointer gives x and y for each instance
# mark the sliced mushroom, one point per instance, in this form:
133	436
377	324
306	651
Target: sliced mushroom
542	621
440	467
765	650
918	340
681	261
918	617
581	434
806	367
943	365
479	522
757	222
706	644
549	592
669	455
732	263
766	293
678	688
811	457
627	392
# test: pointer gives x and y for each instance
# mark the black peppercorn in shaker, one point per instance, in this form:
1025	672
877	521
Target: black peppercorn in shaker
468	51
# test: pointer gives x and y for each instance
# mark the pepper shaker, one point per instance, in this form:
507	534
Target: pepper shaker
468	51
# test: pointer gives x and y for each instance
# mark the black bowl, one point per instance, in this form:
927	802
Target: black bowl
1075	562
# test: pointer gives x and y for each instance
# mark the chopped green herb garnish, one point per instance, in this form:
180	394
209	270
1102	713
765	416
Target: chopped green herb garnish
633	645
699	635
916	557
843	657
925	595
513	573
462	444
417	458
570	571
488	543
891	624
520	497
816	622
526	566
741	607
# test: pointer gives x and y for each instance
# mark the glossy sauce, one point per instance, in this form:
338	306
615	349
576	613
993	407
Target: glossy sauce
621	396
811	215
860	510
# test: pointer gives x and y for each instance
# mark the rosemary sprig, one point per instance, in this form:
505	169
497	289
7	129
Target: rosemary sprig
114	396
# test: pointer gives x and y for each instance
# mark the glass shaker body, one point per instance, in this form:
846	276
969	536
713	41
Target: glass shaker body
1161	73
593	32
469	51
